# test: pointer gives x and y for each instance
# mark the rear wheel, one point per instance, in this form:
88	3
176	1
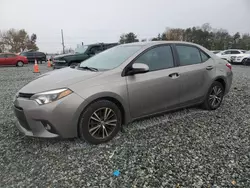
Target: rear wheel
19	64
214	96
100	122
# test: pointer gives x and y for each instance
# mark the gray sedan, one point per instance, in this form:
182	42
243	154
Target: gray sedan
127	82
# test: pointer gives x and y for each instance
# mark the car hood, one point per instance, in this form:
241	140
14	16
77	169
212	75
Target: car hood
63	55
58	79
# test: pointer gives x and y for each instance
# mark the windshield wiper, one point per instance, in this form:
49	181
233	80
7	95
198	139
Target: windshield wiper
88	68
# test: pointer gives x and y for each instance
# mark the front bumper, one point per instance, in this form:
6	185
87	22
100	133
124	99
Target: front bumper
56	119
57	64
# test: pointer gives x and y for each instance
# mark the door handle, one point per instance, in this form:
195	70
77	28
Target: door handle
209	67
174	75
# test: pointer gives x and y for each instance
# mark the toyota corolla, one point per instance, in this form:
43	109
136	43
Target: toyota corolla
127	82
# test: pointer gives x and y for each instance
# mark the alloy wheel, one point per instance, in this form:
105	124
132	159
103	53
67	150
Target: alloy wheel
19	63
102	123
215	96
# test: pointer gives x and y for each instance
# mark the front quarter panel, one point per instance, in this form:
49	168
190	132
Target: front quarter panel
108	85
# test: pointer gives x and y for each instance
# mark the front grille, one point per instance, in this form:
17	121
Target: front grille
25	95
21	118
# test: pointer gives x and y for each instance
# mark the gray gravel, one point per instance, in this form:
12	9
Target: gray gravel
187	148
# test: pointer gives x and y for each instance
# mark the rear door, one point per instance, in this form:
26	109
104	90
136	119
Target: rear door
158	89
196	69
2	59
11	59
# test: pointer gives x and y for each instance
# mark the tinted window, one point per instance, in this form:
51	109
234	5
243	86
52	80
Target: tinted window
157	58
227	52
2	55
10	55
204	57
27	54
39	54
111	58
188	55
235	52
95	49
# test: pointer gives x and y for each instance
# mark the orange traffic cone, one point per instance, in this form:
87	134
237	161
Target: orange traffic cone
49	64
36	67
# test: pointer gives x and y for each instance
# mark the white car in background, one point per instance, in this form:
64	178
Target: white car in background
240	58
226	54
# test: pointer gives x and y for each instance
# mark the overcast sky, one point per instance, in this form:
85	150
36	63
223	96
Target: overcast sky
91	21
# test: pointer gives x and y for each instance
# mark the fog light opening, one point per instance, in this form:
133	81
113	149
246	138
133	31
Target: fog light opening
48	127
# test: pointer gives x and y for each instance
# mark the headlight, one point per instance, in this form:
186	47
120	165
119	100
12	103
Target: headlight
50	96
239	57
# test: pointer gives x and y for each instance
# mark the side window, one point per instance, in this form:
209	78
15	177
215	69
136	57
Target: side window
188	55
227	52
204	57
95	49
2	55
235	52
29	54
10	55
157	58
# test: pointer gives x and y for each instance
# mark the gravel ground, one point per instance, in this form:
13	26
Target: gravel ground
187	148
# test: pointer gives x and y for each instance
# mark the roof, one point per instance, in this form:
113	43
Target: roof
151	43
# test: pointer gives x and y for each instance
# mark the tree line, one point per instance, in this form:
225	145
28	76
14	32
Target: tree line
15	41
205	35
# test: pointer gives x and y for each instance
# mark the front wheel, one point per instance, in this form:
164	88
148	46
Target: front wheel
19	63
214	96
100	122
244	61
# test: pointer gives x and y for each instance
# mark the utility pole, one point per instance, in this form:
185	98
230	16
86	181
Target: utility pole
63	41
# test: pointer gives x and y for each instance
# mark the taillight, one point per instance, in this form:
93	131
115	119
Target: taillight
229	66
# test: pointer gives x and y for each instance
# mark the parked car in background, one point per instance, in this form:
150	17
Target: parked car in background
127	82
12	59
247	62
240	58
32	55
215	51
80	55
226	54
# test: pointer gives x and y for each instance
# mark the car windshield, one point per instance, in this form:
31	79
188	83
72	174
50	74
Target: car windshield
81	49
111	58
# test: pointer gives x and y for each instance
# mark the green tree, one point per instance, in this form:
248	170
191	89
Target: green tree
17	40
128	38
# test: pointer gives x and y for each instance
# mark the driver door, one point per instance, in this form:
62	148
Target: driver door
157	90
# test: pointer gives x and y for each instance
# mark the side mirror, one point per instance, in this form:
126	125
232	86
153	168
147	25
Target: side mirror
138	68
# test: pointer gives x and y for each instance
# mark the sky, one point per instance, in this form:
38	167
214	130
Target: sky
92	21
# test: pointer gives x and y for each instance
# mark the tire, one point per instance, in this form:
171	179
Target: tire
213	99
244	61
19	64
93	127
74	64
